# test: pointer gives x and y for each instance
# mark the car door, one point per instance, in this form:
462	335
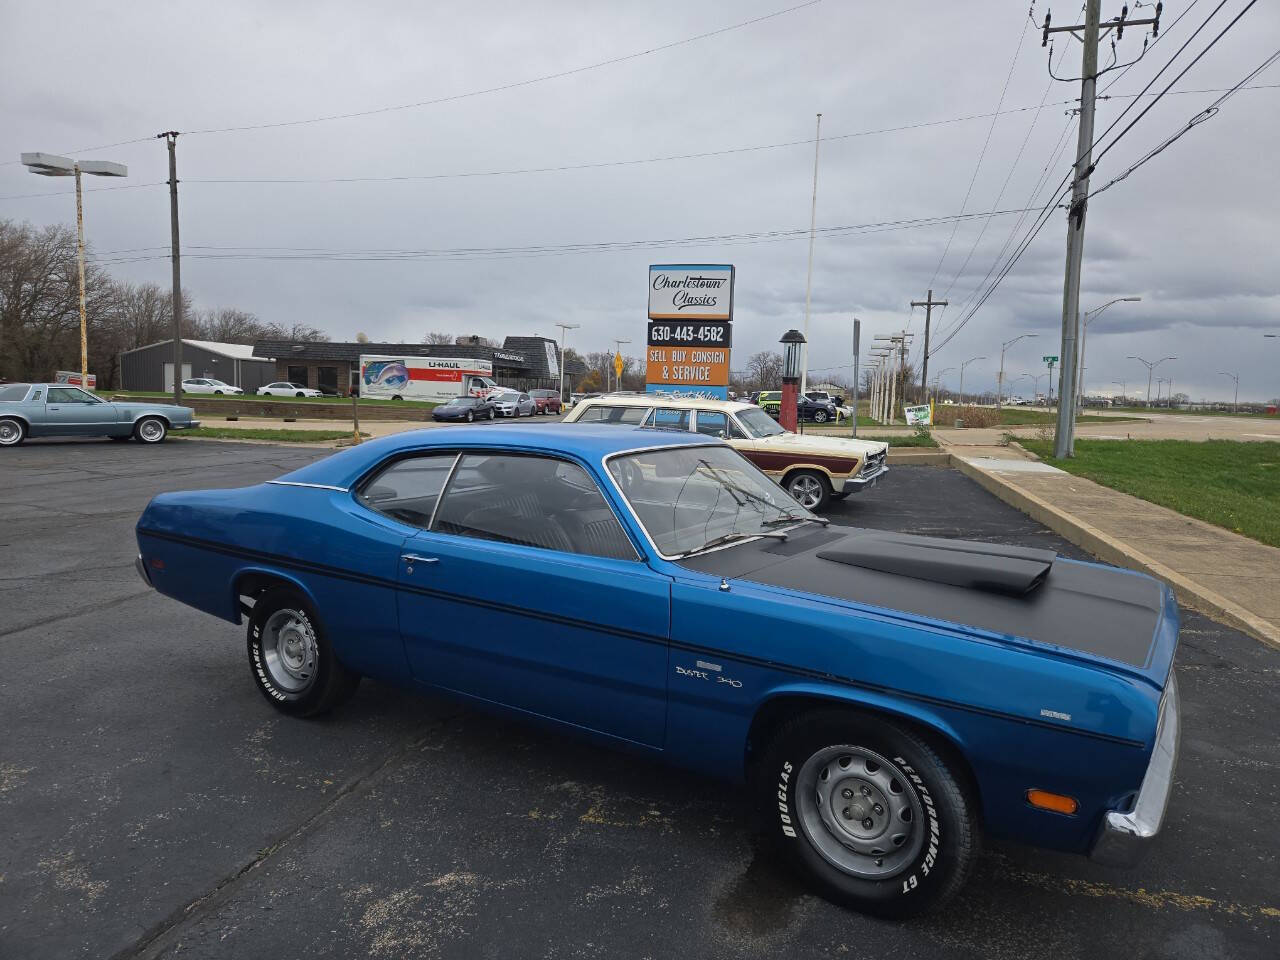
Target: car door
527	592
69	411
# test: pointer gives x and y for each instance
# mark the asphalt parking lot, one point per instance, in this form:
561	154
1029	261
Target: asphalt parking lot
154	804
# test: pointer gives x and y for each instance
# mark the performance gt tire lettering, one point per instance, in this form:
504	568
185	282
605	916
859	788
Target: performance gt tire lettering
947	832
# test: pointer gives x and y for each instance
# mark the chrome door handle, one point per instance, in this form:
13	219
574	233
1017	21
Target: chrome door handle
414	558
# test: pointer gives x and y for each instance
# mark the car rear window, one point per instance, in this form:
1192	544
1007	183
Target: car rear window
603	413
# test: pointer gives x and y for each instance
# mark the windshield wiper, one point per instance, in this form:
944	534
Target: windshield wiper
794	518
730	538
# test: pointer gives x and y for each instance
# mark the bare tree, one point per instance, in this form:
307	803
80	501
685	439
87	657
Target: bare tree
440	339
764	369
362	337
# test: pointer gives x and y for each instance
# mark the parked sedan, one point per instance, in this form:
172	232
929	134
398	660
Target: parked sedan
58	410
283	388
464	408
209	385
548	401
883	700
513	404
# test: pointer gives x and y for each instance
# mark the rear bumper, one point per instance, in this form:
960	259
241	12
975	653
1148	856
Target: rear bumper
1123	838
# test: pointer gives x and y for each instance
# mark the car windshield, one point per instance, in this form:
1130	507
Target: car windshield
691	499
759	424
463	402
14	391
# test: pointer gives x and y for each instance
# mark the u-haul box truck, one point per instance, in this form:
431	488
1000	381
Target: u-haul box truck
431	379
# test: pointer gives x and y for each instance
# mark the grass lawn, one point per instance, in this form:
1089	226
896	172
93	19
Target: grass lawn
263	433
1190	412
904	440
1230	483
187	398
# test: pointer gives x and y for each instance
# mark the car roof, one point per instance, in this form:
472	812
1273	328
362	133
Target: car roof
661	400
587	442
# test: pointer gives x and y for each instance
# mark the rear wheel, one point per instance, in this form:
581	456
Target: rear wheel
470	416
491	413
12	431
809	488
150	430
299	394
868	811
292	661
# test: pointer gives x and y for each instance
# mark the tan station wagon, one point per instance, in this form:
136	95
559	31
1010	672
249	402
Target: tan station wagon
813	469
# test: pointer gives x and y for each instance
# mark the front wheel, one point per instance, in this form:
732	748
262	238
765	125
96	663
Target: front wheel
470	416
820	416
868	811
218	392
299	394
809	488
292	661
491	413
150	430
12	432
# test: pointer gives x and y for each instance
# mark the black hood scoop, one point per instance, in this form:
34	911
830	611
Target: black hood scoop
962	563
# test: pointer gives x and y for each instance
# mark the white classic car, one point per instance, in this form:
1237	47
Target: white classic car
813	469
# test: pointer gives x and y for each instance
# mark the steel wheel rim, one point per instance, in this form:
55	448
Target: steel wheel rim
860	812
289	650
150	431
9	432
807	491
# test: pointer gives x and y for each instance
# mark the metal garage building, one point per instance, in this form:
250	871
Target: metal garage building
150	368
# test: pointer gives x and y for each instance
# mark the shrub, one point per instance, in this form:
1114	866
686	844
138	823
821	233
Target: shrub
946	415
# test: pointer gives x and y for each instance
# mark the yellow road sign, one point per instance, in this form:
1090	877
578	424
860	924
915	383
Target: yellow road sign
617	363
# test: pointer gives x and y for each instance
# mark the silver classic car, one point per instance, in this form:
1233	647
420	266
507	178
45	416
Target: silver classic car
59	410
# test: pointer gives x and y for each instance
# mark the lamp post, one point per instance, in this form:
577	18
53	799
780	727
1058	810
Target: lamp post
937	380
49	165
962	366
1235	378
1000	379
1088	318
793	343
1151	365
1124	390
564	327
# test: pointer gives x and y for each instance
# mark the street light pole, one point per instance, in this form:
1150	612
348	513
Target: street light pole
1088	318
1000	379
564	327
962	366
1235	377
937	381
49	165
857	345
1124	389
618	352
808	282
1151	365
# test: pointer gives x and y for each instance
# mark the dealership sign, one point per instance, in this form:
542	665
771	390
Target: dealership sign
679	291
690	330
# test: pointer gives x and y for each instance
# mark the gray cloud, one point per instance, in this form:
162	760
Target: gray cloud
1192	232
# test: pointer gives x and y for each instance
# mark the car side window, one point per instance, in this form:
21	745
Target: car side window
713	423
668	419
534	502
408	490
63	395
35	397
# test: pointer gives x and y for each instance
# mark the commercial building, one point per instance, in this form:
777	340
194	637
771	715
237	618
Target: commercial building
150	368
523	363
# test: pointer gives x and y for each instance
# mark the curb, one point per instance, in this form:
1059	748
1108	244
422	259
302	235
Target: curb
1117	552
918	457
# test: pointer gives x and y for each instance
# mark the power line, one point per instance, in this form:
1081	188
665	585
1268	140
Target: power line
452	98
211	252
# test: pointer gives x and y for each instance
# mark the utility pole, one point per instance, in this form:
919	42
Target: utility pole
808	283
564	327
175	254
928	303
857	341
1064	438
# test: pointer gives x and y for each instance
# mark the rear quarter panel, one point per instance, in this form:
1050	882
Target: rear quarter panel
198	545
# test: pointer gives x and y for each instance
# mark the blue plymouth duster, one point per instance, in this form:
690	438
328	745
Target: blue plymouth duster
885	699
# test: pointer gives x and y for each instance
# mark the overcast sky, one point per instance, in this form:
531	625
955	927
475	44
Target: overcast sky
1193	232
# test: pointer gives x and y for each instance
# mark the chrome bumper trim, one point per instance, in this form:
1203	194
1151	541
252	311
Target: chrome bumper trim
141	567
1123	838
863	479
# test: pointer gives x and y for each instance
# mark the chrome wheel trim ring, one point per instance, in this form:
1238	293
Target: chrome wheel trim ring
289	650
860	812
807	491
151	430
10	433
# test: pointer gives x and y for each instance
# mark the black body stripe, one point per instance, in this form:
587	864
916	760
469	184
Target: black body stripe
341	574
